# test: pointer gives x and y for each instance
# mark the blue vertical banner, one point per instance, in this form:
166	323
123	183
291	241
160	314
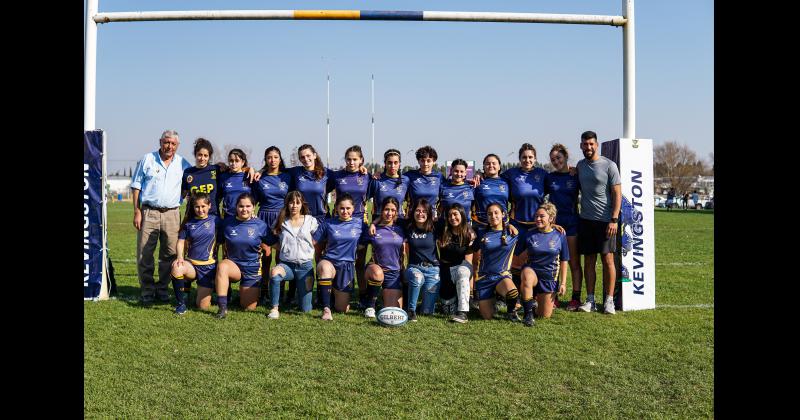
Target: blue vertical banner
92	213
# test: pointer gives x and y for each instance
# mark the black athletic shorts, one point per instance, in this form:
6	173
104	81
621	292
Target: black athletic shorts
592	238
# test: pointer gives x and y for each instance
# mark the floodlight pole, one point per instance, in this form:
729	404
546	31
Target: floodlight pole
90	63
628	72
373	119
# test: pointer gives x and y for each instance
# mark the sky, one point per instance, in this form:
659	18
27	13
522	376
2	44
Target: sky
465	88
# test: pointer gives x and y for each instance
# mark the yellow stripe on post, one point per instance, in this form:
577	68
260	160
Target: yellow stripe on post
328	14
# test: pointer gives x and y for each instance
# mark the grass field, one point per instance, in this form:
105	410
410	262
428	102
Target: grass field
147	362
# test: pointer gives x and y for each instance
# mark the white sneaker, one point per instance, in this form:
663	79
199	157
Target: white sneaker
369	313
588	306
273	314
326	314
608	307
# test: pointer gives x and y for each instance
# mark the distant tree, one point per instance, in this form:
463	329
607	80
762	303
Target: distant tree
678	164
711	164
293	158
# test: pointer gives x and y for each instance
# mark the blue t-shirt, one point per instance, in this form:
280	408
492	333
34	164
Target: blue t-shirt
202	180
313	189
387	186
231	185
424	186
342	237
545	252
354	183
387	246
527	191
421	247
495	257
270	191
463	194
201	239
563	189
242	240
491	190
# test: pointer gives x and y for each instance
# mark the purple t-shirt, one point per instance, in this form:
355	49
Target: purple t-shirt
387	246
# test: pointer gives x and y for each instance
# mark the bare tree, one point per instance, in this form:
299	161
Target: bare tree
293	158
711	163
678	164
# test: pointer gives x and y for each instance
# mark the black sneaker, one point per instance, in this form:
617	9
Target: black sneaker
163	298
460	317
412	316
528	321
513	316
221	314
147	300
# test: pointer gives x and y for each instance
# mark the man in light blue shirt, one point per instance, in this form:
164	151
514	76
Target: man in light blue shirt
156	187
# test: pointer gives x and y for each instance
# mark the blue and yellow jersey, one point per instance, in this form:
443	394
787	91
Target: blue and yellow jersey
201	240
563	189
526	191
242	240
342	238
270	191
490	191
462	193
201	180
314	190
545	252
231	185
495	257
354	183
387	186
424	186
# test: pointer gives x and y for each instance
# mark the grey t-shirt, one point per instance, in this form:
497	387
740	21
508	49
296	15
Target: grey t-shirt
597	179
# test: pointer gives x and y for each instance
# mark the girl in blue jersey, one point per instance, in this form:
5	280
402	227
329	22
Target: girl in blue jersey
293	232
563	189
390	183
422	273
388	250
496	248
547	255
311	179
270	192
491	189
234	182
456	190
336	267
196	252
425	182
355	182
244	238
456	246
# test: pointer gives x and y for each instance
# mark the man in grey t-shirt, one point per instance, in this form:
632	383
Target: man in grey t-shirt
601	199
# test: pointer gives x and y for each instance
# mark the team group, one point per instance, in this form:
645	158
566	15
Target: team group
509	234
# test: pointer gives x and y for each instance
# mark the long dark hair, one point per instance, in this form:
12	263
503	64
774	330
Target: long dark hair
503	226
189	215
319	170
281	166
291	196
463	232
428	225
241	154
390	200
386	155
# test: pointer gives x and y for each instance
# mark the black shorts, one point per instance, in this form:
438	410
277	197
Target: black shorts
592	238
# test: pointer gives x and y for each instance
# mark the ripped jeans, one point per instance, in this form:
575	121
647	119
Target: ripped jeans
426	278
454	289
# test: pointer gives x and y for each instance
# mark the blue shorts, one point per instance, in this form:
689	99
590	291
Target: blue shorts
569	222
345	273
391	280
269	216
486	285
205	275
251	275
546	286
523	234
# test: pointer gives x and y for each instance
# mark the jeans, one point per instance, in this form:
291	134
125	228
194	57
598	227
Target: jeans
419	277
298	273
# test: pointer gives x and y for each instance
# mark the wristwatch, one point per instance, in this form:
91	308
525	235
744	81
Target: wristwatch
614	219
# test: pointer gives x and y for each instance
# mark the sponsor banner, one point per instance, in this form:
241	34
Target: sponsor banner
636	273
92	213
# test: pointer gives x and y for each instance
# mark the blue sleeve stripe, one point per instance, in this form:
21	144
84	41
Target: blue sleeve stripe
390	15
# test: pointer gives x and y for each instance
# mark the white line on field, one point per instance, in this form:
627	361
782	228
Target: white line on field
700	305
682	263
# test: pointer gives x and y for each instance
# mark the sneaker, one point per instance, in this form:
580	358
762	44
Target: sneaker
326	314
473	304
608	307
460	317
513	316
273	314
147	300
573	305
163	298
412	316
369	313
588	306
221	314
528	321
180	309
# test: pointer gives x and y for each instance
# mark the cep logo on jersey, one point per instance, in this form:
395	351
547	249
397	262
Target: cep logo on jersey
251	232
206	188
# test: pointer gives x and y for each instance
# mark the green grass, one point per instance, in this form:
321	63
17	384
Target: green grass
147	362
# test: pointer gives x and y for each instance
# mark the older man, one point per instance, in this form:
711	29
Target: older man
156	186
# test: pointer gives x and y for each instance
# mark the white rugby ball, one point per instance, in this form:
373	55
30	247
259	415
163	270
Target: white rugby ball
391	316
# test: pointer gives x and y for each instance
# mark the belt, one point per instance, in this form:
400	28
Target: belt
159	209
426	264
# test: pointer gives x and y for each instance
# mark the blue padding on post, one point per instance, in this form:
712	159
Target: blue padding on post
390	15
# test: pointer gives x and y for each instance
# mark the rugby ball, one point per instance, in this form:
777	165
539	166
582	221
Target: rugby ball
392	316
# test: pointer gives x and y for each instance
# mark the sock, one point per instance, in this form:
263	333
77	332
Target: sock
178	285
511	299
222	301
527	305
576	295
325	291
373	288
589	297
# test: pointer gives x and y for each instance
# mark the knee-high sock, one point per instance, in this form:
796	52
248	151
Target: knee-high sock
511	299
178	285
325	286
373	288
527	305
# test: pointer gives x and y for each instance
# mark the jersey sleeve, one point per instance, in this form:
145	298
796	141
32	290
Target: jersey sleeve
320	234
270	239
138	175
365	237
182	232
